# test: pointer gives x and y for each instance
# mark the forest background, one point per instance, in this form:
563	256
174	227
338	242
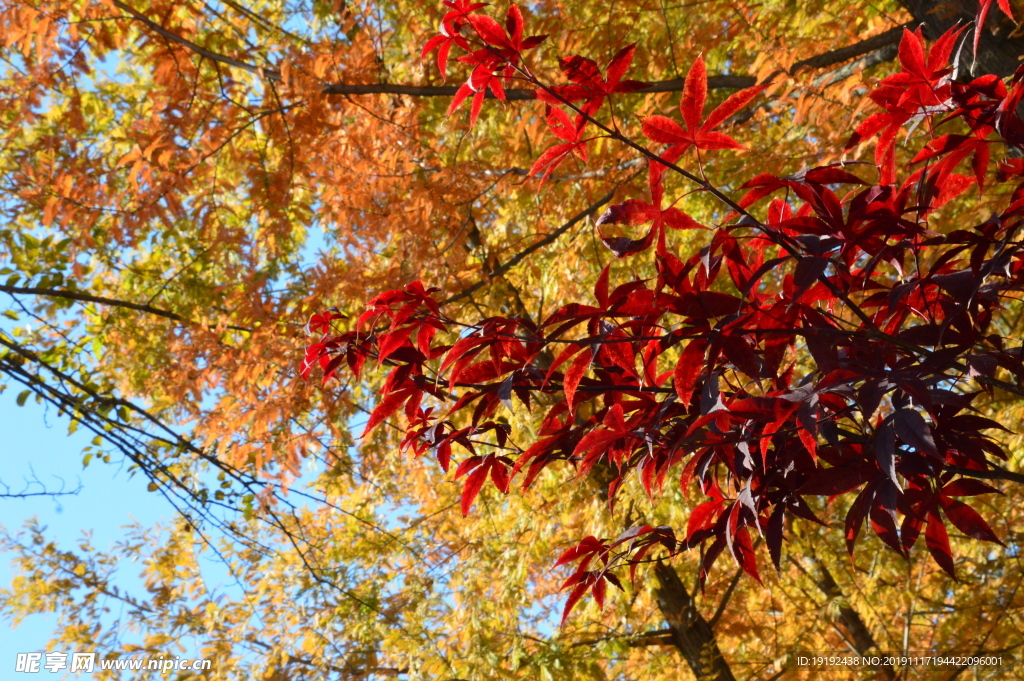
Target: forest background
184	184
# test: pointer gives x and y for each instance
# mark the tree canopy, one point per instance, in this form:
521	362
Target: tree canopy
768	248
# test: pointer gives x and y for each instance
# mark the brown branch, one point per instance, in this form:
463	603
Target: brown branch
515	94
726	597
884	54
25	494
550	238
270	74
85	297
245	11
659	637
841	54
347	671
726	81
877	44
112	302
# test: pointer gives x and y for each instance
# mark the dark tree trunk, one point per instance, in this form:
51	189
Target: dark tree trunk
999	52
849	619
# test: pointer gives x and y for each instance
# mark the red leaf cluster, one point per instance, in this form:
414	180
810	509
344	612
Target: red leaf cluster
494	52
694	373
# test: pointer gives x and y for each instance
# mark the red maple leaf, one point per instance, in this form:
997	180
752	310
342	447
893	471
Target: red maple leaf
636	212
573	145
979	23
700	135
451	32
495	61
589	87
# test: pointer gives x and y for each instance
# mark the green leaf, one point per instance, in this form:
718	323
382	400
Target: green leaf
247	506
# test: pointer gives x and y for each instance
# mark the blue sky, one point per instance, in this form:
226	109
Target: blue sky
35	443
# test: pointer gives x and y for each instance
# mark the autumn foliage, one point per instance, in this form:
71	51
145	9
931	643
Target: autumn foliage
829	338
716	300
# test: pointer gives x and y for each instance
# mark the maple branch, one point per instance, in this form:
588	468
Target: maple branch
555	388
101	300
791	246
994	473
554	177
737	82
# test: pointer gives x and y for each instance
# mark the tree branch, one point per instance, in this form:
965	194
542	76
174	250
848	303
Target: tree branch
88	298
101	300
994	473
736	82
659	637
270	74
884	54
730	81
841	54
1000	48
874	44
550	238
725	598
25	493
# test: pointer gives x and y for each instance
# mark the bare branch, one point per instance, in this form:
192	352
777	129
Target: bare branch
34	481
